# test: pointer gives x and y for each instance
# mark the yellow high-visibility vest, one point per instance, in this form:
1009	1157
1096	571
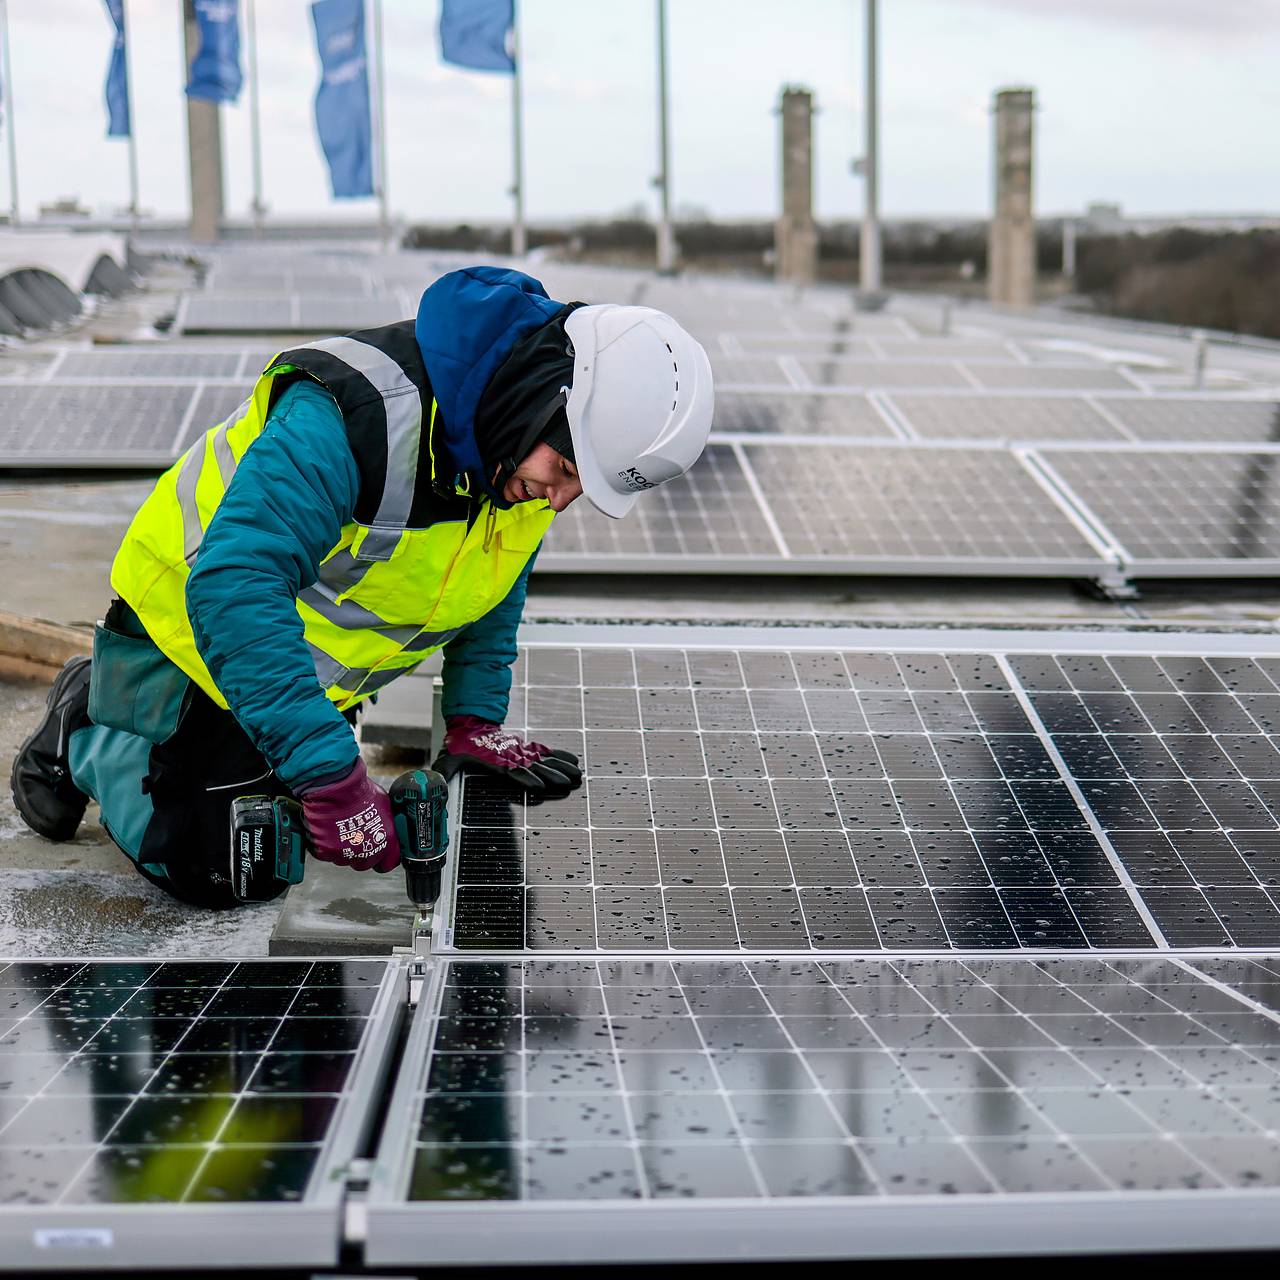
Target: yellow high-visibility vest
415	565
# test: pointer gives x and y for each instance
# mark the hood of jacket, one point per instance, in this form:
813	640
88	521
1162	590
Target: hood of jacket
468	323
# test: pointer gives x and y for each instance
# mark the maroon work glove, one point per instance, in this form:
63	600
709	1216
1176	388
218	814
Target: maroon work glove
349	822
468	740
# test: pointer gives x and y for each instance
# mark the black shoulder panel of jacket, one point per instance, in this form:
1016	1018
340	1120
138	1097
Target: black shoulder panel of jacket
364	416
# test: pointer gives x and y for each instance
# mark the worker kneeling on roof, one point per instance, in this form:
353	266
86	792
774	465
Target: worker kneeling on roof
378	497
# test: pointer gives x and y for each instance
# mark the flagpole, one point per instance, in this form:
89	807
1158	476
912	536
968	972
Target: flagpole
8	122
384	207
255	123
666	239
133	145
869	253
519	243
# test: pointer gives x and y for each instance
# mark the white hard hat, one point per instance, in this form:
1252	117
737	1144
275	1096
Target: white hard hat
641	402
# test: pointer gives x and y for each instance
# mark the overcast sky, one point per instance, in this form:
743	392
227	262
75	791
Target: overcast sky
1163	105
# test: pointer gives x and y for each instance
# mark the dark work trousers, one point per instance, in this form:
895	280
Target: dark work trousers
192	780
168	805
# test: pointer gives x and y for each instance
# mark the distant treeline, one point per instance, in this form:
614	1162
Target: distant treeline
1213	280
1205	279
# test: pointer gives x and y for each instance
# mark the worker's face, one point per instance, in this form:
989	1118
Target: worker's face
544	474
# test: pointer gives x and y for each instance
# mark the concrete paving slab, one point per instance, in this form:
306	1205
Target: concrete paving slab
336	911
57	542
83	913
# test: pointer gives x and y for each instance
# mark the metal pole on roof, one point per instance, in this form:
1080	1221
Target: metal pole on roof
519	239
869	255
666	237
8	117
255	120
133	138
384	205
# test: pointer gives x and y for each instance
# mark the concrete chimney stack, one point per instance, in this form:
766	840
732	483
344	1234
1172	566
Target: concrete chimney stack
1011	250
795	235
204	146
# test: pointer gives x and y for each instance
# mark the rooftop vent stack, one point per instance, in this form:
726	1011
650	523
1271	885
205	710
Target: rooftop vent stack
1011	252
795	236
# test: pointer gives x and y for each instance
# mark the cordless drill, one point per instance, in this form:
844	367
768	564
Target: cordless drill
268	839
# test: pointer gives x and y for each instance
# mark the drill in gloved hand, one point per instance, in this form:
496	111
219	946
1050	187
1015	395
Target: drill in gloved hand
350	822
468	740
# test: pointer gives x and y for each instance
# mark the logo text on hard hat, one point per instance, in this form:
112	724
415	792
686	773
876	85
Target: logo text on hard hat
634	480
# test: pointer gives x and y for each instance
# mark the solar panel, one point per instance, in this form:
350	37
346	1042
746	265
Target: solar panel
1176	511
1174	757
215	405
773	801
788	344
125	362
760	371
1209	421
838	1108
343	314
709	512
1004	417
881	373
264	313
152	1086
1049	378
942	348
914	504
760	413
49	424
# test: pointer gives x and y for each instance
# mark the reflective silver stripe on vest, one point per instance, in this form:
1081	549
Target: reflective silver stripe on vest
429	639
403	406
368	679
222	448
185	491
351	616
328	670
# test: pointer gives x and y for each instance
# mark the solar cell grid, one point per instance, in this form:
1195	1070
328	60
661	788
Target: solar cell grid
1201	420
1175	506
342	314
814	345
208	314
839	372
1048	378
979	417
128	363
573	1080
88	422
174	1081
912	504
1176	758
748	371
769	801
709	512
799	414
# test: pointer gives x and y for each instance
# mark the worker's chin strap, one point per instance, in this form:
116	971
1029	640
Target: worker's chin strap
533	433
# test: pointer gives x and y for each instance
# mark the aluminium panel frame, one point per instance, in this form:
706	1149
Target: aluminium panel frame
246	1234
401	1232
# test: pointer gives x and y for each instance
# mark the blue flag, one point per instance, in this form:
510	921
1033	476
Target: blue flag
342	100
215	72
118	124
473	33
